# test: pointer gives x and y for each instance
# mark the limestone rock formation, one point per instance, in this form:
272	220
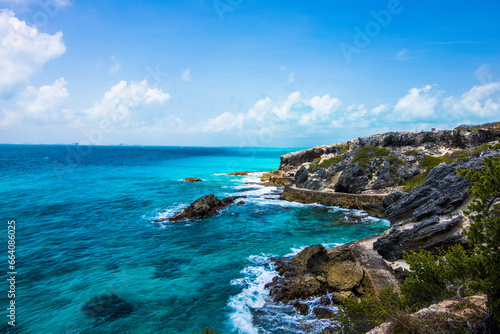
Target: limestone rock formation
347	270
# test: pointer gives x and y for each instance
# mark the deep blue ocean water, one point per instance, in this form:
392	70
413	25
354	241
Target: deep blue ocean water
85	228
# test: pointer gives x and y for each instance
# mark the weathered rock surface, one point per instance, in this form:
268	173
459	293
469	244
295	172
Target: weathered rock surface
205	206
277	178
454	139
347	270
315	179
429	234
442	192
381	163
354	179
107	308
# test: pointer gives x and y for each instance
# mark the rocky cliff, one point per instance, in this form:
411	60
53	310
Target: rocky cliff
410	177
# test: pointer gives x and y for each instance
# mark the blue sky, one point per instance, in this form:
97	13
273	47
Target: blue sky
243	72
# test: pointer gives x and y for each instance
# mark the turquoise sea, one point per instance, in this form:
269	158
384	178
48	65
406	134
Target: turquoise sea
85	228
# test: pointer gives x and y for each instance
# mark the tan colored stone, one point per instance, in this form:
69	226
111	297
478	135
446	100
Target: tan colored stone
344	276
340	296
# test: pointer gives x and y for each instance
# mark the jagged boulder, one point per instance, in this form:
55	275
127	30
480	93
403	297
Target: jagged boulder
312	259
316	178
345	276
205	206
384	178
443	191
353	180
428	234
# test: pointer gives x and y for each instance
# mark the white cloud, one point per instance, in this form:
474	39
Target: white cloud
23	50
124	104
379	109
224	122
402	55
322	108
42	103
186	74
283	111
482	101
419	104
483	74
9	118
115	67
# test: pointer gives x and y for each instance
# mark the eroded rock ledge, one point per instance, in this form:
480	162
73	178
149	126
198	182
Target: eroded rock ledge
373	202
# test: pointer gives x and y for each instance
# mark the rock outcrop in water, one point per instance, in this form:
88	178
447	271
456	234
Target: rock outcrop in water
203	207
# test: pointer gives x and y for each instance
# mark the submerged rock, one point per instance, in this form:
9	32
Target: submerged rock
107	308
302	308
205	206
323	313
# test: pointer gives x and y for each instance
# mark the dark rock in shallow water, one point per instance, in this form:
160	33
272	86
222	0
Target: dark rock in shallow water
107	308
205	206
301	308
325	301
323	313
192	179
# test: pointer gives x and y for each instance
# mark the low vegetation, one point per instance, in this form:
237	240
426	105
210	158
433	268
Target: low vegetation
327	163
363	155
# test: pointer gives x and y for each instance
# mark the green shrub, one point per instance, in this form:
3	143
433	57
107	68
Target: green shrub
416	180
360	316
363	155
411	152
343	149
326	163
484	231
434	278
